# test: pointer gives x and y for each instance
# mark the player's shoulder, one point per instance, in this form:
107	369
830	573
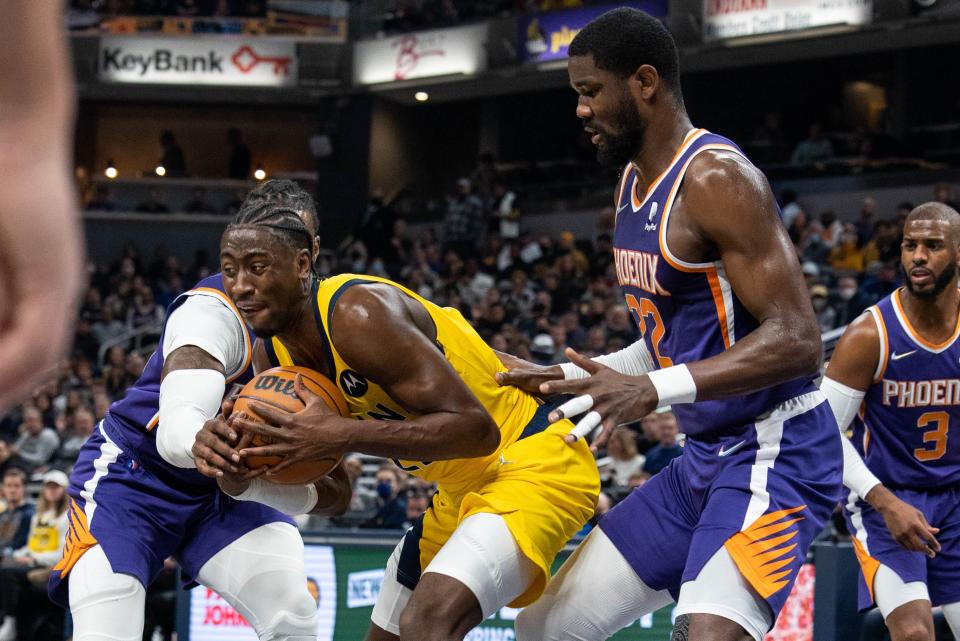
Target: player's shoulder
860	340
723	171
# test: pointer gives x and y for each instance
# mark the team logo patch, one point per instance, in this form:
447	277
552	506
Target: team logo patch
352	383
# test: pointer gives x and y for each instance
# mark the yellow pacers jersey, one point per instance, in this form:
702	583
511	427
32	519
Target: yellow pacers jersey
466	352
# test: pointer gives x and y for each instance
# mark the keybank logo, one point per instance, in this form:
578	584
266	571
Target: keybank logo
174	60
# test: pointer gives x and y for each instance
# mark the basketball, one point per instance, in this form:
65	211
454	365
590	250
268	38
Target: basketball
275	387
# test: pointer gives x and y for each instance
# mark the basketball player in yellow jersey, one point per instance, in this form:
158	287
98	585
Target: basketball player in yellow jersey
511	492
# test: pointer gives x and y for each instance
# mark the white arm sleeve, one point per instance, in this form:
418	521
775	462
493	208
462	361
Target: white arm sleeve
632	360
845	402
188	399
207	322
292	500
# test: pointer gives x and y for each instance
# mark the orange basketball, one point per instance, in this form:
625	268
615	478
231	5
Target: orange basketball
275	387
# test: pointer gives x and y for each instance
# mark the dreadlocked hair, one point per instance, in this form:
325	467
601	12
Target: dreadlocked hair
281	220
283	192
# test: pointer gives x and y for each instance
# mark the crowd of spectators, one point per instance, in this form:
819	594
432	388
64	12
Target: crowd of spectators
182	8
528	295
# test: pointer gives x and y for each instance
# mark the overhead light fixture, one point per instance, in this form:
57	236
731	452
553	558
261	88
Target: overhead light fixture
421	96
161	170
259	174
111	171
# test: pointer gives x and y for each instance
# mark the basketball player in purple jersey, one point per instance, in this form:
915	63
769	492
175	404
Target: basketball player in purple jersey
137	497
896	375
714	284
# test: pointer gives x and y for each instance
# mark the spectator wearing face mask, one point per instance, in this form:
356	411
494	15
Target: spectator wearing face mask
826	315
392	508
850	301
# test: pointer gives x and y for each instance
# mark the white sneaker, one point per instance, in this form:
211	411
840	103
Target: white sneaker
8	630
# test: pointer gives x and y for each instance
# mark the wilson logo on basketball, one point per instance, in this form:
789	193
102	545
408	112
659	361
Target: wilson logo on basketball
277	384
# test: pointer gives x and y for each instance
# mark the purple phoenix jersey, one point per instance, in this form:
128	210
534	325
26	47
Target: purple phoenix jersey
904	434
761	472
686	312
138	507
903	431
136	415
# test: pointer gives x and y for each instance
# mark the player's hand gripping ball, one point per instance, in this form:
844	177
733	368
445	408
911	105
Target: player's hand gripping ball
275	387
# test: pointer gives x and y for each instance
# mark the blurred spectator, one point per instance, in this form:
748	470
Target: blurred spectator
668	447
101	200
943	193
417	504
770	132
846	256
543	350
884	246
198	204
789	209
37	443
172	159
154	204
391	507
17	512
826	315
816	148
625	461
832	228
882	283
506	208
850	301
865	225
44	547
108	327
637	479
144	312
362	500
8	460
239	165
80	430
463	223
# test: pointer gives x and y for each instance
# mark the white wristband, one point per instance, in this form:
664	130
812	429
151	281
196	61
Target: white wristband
292	500
571	372
673	385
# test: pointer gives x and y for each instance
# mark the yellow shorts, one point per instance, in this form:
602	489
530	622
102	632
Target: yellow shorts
543	488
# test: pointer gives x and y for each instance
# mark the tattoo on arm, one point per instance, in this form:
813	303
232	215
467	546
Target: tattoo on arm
681	628
190	357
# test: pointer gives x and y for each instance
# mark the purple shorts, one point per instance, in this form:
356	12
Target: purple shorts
763	493
141	516
875	545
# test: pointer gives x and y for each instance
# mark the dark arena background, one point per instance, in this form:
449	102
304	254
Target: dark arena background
440	142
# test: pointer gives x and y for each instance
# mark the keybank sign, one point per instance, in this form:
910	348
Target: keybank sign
261	62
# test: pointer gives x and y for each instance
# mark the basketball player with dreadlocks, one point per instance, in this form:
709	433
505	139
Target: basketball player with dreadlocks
511	492
894	375
137	497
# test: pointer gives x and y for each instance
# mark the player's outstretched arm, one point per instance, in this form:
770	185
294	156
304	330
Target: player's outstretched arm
851	371
728	208
41	266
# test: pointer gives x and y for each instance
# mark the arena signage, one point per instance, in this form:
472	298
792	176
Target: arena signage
724	19
420	55
546	36
262	61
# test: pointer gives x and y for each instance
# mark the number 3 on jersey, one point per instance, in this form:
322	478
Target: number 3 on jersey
641	309
940	422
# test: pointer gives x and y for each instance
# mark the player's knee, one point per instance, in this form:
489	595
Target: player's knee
541	621
296	620
529	625
103	588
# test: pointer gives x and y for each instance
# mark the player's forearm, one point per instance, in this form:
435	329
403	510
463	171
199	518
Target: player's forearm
431	437
776	352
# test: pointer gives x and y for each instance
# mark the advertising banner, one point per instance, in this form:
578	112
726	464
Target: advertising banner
724	19
420	55
262	62
546	36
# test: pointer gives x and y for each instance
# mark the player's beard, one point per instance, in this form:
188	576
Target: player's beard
946	278
616	150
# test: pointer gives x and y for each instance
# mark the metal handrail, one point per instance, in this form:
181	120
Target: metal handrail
135	336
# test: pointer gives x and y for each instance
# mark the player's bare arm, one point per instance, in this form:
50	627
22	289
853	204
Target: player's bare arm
853	364
725	211
389	339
